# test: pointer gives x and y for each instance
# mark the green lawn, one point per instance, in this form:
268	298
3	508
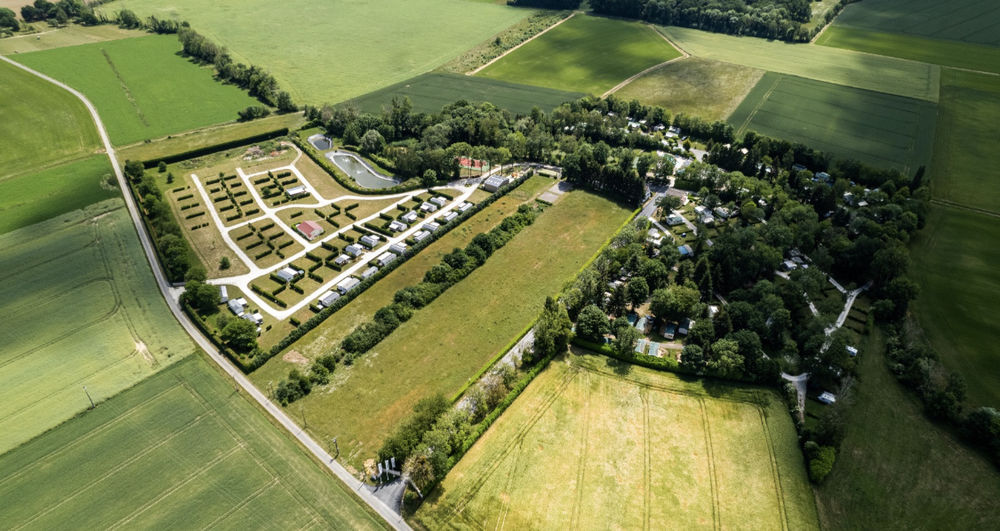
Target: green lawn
430	92
695	86
41	124
593	443
180	450
954	261
897	470
822	63
80	308
141	86
584	54
940	52
447	342
966	165
327	52
975	21
873	127
32	198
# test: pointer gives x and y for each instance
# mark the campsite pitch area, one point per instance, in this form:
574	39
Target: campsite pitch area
430	92
584	54
448	341
974	21
80	308
141	86
694	86
183	449
593	443
41	124
832	65
873	127
327	52
896	469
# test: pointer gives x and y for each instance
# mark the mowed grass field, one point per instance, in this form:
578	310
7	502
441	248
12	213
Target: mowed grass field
71	35
966	165
897	470
695	86
430	92
141	86
941	52
975	21
42	124
328	335
593	443
327	52
584	54
180	450
36	197
822	63
873	127
80	308
447	342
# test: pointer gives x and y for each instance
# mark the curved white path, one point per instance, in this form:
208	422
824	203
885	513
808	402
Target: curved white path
279	415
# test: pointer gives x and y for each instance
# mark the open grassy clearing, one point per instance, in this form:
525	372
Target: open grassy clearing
72	35
180	450
496	46
976	21
327	52
940	52
80	307
955	259
593	443
136	100
208	136
42	124
32	198
873	127
327	336
895	469
832	65
819	10
966	164
584	54
445	343
695	86
430	92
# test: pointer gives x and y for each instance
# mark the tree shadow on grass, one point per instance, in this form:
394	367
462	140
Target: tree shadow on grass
618	367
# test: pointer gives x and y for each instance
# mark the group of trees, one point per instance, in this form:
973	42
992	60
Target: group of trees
8	20
772	19
256	80
175	254
58	13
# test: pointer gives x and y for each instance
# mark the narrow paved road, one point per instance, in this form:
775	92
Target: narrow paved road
385	512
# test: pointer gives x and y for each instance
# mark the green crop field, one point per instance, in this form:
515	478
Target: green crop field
80	308
593	443
976	21
940	52
822	63
180	450
444	344
695	86
966	165
32	198
430	92
327	52
327	336
584	54
897	470
141	87
873	127
71	35
42	124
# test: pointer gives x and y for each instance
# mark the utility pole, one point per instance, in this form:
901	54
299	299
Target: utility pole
92	406
336	447
302	412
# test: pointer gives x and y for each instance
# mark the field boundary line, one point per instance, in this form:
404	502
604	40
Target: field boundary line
684	55
710	455
117	468
753	113
533	37
775	472
960	206
646	459
505	509
253	495
581	471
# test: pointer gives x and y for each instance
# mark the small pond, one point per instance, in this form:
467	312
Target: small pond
321	142
362	173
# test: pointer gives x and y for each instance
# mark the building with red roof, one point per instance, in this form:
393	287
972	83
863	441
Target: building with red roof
309	229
